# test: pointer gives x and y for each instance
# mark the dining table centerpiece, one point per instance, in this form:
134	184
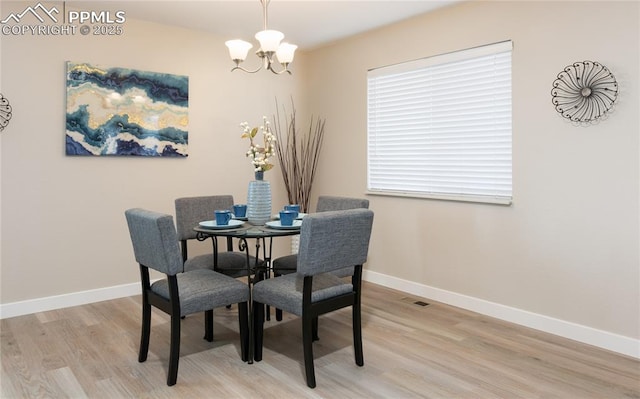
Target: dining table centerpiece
298	152
259	193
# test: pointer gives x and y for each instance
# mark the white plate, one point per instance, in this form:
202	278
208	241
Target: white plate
275	224
300	216
211	224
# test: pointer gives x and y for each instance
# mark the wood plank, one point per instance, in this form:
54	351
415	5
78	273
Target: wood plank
410	351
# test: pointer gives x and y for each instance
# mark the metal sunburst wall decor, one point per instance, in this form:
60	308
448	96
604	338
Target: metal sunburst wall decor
5	112
584	91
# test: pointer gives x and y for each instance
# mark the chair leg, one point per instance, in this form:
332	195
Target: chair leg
307	343
146	332
315	329
278	311
208	325
243	320
357	334
258	330
174	353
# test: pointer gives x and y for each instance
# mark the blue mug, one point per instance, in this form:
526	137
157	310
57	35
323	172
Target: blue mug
223	217
287	217
240	210
294	208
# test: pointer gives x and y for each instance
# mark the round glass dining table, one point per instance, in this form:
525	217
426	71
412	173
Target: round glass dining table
263	236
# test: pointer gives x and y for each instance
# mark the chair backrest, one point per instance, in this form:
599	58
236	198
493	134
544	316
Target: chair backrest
154	239
334	240
331	203
192	210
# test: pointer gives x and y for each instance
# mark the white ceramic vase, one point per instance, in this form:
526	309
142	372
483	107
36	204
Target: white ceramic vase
259	201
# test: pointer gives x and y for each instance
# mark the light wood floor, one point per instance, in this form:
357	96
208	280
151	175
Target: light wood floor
411	351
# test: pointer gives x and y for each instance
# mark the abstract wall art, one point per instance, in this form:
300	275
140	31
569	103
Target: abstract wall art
119	111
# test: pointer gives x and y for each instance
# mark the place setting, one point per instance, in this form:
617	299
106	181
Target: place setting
288	218
224	220
240	212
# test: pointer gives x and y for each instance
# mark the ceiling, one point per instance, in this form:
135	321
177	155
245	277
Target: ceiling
307	23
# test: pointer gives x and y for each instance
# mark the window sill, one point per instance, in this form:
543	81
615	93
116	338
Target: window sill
508	201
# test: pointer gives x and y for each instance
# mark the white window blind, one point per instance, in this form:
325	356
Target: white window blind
441	126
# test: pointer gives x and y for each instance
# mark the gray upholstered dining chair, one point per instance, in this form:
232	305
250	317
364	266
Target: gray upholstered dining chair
155	246
192	210
329	241
287	264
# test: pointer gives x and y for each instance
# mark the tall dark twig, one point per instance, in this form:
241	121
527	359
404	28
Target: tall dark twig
298	154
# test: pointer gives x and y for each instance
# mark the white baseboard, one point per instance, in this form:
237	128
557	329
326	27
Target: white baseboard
602	339
67	300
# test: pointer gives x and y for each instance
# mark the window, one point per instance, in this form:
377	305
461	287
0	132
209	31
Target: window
440	127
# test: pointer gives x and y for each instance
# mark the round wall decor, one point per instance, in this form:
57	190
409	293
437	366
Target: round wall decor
5	112
584	91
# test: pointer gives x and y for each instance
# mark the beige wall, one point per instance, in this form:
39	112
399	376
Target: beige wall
568	248
63	227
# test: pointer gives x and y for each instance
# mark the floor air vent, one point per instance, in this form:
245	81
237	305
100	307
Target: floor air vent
413	301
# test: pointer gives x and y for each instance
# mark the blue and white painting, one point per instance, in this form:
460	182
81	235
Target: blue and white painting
118	111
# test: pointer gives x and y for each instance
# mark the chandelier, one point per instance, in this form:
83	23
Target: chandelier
270	46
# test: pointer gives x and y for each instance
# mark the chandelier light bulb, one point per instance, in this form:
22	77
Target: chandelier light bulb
238	49
269	40
286	52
